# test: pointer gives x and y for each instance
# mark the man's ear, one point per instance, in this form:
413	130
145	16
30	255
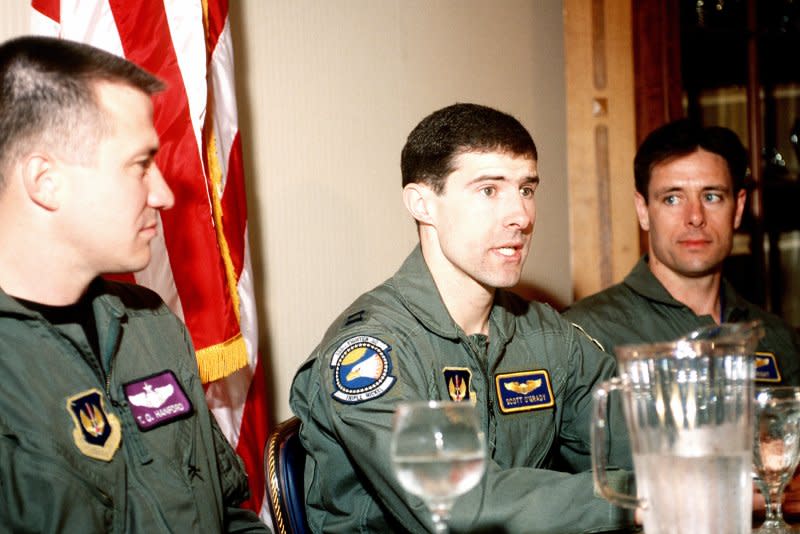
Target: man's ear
41	179
641	211
418	200
741	201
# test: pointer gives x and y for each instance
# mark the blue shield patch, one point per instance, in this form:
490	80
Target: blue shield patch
767	367
524	391
362	369
97	433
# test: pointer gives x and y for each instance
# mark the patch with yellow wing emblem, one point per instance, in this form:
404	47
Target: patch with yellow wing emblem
524	391
767	368
459	382
97	433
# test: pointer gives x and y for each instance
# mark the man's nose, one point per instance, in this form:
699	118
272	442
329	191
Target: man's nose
697	214
159	196
520	212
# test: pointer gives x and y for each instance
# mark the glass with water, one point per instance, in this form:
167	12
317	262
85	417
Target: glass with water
688	407
438	453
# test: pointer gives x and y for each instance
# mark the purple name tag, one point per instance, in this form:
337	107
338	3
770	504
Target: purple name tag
157	400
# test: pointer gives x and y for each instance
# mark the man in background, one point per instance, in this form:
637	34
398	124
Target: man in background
104	426
443	328
690	197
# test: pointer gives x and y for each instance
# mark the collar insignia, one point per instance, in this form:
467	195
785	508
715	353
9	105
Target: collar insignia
362	369
524	391
767	367
157	400
458	383
97	433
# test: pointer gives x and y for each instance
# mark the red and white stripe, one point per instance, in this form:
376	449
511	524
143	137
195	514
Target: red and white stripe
201	260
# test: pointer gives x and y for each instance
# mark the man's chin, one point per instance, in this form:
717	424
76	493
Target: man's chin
507	282
130	267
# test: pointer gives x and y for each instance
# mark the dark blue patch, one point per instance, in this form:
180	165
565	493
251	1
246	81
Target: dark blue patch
767	367
524	391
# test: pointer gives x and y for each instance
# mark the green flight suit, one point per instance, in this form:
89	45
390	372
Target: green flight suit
641	310
398	343
73	458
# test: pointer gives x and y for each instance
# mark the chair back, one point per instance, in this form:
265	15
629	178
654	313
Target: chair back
285	465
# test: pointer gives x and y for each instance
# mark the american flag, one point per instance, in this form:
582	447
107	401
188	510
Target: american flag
201	259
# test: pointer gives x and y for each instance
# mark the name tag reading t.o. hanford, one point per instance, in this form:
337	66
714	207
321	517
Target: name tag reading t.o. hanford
157	400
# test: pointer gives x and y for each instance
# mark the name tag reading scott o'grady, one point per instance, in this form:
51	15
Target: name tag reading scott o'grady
157	400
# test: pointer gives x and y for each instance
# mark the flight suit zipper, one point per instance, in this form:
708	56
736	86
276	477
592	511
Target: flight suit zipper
478	346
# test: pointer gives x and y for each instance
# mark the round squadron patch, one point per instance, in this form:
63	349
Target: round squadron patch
362	369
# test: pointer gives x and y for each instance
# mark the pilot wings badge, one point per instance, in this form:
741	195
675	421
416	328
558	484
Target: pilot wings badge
523	388
152	398
97	433
524	391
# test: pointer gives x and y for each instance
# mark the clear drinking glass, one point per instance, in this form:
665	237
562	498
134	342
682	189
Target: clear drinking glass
438	453
776	450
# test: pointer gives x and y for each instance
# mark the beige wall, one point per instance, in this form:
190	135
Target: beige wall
328	90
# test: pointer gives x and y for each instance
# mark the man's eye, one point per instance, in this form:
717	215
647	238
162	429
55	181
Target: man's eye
713	197
671	200
527	191
488	190
144	165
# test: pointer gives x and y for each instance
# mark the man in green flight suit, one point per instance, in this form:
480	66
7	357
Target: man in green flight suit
104	426
690	197
443	328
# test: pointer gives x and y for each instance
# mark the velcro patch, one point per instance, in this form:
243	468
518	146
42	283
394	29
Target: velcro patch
524	391
157	400
362	369
97	433
767	367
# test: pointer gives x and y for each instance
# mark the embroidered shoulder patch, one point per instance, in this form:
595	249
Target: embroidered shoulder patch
157	400
524	391
362	369
767	367
459	381
97	433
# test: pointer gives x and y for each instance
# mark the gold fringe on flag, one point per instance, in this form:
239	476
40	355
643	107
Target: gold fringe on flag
222	359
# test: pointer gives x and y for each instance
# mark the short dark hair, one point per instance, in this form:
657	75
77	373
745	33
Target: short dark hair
443	135
683	137
47	96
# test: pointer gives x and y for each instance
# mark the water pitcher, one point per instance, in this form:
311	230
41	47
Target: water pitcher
688	408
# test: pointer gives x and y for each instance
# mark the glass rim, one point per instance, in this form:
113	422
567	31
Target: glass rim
726	339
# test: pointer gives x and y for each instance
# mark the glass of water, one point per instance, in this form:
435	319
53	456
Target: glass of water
438	453
776	449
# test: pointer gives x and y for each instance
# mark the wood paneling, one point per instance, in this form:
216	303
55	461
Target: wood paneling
601	138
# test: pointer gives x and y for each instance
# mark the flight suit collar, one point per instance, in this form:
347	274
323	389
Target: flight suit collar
109	304
108	309
642	281
414	283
